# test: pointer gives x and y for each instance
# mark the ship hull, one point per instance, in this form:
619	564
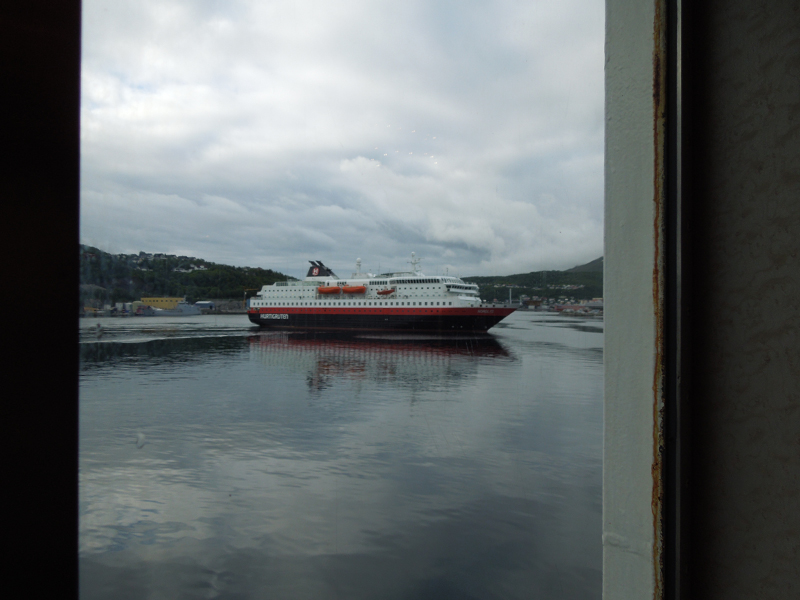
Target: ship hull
451	320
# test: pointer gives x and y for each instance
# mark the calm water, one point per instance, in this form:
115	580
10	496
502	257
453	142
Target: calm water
218	461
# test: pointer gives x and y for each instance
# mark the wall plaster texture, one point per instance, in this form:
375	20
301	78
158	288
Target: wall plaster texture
746	361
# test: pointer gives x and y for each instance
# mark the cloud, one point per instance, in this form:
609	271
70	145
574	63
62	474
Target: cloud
265	134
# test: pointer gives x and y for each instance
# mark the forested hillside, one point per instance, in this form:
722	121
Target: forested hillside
583	282
110	278
127	277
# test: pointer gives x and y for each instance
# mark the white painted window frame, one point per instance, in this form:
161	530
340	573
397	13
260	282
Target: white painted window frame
637	225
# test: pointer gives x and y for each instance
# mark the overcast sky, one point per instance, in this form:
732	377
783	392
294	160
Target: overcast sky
267	133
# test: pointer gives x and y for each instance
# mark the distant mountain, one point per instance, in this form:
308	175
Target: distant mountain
581	283
591	267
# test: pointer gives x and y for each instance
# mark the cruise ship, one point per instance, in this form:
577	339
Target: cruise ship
404	301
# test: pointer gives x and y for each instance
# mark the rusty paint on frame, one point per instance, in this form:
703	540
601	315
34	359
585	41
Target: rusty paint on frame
659	139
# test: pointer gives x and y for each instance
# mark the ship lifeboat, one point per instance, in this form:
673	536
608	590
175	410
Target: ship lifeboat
385	292
354	289
330	290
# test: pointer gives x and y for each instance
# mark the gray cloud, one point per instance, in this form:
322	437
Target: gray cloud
268	133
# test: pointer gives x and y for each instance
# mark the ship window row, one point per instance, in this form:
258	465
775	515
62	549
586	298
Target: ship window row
414	281
358	304
399	289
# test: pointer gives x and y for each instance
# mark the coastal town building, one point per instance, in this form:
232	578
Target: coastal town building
165	303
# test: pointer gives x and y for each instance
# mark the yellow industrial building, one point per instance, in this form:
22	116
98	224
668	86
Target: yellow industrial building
165	303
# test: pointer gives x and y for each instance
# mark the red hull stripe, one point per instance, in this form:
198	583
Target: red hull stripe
319	310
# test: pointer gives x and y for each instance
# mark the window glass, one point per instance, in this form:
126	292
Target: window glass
259	135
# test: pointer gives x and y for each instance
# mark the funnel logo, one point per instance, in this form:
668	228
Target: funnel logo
315	271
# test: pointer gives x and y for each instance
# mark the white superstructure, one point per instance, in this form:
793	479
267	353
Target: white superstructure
413	288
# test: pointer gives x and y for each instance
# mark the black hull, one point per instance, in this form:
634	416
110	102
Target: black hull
464	320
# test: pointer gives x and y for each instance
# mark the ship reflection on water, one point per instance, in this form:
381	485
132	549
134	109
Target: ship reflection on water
418	360
218	460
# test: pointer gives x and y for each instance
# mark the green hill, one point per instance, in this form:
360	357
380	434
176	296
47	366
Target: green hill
109	278
595	266
583	282
126	277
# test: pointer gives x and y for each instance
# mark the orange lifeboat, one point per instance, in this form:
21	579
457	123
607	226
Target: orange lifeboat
354	289
330	290
385	292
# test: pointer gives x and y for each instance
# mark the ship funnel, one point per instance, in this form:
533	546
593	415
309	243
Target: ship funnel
317	269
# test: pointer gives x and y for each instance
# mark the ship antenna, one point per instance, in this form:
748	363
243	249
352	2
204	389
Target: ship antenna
414	262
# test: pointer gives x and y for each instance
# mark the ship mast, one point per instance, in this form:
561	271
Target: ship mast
414	263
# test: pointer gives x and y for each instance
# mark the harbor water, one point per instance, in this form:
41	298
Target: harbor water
220	461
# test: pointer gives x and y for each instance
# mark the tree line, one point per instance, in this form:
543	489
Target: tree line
114	278
110	278
545	284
